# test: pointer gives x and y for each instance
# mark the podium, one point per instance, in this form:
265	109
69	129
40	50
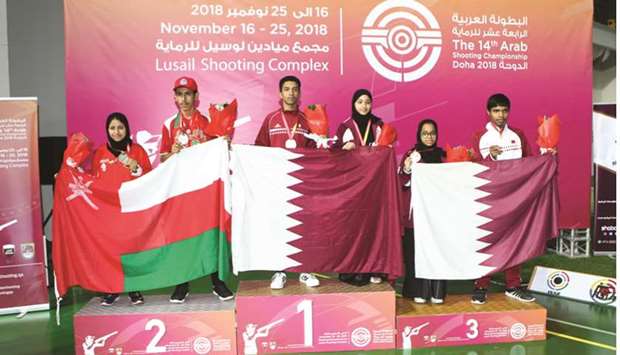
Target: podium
201	325
459	322
332	317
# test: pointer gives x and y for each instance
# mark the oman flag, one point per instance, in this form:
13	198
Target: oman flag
474	219
169	226
308	210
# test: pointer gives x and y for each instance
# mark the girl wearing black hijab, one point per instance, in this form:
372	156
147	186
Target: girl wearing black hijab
121	150
424	151
125	161
361	129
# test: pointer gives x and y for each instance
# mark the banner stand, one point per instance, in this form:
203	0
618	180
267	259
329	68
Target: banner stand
22	250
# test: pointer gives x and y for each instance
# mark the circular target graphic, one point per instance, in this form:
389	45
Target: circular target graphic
603	291
401	40
558	280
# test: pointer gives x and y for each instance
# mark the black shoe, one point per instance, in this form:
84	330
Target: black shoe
136	298
180	293
346	277
479	296
109	299
519	294
222	292
360	280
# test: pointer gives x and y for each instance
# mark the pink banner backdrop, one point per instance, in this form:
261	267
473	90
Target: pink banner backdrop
438	59
22	253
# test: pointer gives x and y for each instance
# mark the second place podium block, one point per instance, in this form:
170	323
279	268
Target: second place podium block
202	325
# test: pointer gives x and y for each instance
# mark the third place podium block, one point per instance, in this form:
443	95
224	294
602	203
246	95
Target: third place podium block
202	325
458	322
332	317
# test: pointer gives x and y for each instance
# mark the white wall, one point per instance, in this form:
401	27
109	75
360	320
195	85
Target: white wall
37	66
36	57
4	52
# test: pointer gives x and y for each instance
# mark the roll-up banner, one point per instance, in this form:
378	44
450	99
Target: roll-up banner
22	255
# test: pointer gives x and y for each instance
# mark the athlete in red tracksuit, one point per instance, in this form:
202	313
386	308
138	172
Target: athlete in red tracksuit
121	160
499	142
285	128
184	129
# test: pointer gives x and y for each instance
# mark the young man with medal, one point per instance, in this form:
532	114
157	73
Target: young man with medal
285	128
497	141
184	129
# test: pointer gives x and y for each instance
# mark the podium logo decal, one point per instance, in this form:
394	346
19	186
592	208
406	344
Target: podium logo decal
360	337
518	331
558	280
603	291
401	40
202	345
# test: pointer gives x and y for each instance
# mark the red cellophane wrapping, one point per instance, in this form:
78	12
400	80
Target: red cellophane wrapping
316	116
457	154
78	149
548	131
388	135
222	121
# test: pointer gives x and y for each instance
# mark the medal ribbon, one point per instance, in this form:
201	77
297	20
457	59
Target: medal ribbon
365	138
290	133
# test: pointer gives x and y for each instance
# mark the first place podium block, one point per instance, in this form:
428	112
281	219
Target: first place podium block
458	322
332	317
203	324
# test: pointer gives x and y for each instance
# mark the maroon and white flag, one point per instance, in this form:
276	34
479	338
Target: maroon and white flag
474	219
315	210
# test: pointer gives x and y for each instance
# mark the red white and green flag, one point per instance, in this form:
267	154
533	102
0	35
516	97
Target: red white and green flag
169	226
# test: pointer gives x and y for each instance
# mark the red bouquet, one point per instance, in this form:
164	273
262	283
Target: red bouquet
548	131
316	116
388	135
78	149
457	154
222	119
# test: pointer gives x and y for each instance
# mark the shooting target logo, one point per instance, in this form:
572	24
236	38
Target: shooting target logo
360	337
202	345
558	281
603	291
518	331
401	40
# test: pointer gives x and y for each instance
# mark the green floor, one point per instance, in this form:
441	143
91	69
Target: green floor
573	327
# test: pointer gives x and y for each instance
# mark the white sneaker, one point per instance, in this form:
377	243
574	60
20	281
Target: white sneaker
278	280
308	279
436	300
375	280
419	300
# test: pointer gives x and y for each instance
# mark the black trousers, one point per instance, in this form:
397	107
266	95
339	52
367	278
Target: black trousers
416	287
215	280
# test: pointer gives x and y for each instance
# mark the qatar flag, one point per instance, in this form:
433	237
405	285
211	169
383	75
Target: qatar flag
474	219
309	210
